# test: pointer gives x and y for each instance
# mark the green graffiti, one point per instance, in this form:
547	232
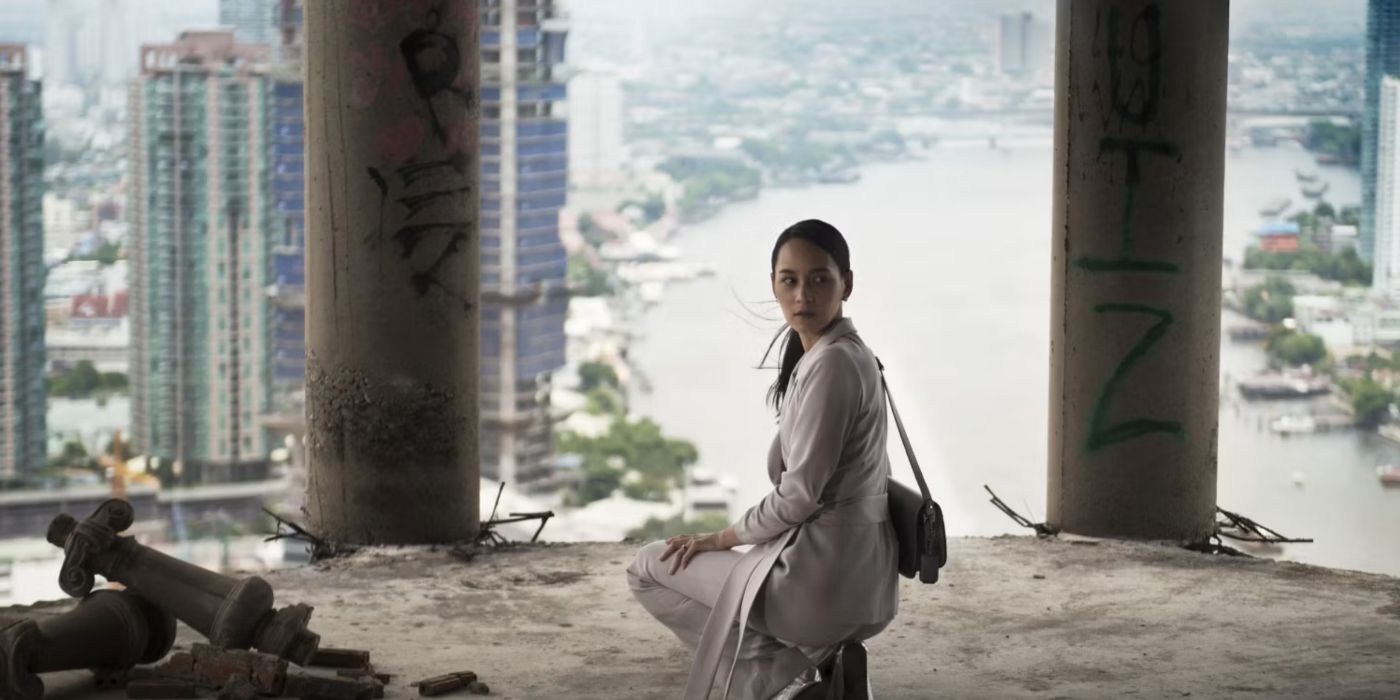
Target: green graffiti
1103	434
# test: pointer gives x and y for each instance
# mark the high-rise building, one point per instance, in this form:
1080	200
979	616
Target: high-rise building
1023	47
524	179
276	23
595	129
23	434
1382	59
65	222
201	256
291	27
252	21
287	174
279	23
1387	222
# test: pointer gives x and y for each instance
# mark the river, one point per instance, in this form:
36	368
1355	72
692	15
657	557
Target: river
952	279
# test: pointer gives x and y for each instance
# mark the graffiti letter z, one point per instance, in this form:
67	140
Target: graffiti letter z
1101	433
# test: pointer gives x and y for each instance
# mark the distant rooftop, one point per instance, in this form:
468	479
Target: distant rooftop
206	48
1279	228
13	57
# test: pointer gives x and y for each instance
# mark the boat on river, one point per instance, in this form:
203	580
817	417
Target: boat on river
839	176
1242	332
1314	190
1275	206
650	292
1389	431
708	492
1389	474
1291	424
1278	386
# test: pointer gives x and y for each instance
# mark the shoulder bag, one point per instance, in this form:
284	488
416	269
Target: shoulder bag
917	519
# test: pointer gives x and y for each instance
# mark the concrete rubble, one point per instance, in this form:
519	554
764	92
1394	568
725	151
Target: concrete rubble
118	634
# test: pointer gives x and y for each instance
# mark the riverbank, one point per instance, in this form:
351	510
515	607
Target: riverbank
952	268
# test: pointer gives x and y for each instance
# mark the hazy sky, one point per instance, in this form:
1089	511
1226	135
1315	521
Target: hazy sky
23	20
1333	12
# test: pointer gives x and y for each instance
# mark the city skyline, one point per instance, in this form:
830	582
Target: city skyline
790	99
269	20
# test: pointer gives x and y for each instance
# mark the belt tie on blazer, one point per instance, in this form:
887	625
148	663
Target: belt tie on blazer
741	588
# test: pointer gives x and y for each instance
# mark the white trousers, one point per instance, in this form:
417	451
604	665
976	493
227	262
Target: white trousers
682	602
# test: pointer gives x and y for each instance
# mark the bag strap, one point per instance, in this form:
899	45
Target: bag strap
904	436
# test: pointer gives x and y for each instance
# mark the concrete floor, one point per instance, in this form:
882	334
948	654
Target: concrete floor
1012	618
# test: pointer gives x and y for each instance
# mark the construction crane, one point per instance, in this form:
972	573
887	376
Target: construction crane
114	461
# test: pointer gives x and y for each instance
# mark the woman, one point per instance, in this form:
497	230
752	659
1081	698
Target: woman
822	576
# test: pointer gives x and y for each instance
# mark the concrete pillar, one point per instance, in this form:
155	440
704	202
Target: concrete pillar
392	258
1135	338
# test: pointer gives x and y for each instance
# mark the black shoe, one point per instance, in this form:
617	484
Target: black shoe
852	672
821	690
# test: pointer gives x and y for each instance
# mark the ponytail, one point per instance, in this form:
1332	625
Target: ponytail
792	352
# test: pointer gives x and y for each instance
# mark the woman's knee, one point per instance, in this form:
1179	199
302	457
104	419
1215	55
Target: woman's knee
644	565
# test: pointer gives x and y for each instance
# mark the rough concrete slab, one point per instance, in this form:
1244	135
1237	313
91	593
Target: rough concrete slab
1107	620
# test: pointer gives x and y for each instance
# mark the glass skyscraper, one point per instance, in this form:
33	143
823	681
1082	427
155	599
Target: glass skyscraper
286	169
275	23
1382	59
279	25
201	119
524	179
22	398
1387	262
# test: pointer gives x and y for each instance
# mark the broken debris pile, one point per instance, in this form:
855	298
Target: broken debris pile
119	634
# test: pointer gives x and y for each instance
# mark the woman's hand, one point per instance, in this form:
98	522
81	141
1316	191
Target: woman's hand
685	547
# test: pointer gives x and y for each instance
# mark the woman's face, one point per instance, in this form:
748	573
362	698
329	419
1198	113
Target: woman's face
809	286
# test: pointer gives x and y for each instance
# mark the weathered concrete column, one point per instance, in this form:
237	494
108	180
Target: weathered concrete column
392	270
1135	338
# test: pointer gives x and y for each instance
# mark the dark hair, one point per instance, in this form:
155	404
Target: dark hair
826	237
